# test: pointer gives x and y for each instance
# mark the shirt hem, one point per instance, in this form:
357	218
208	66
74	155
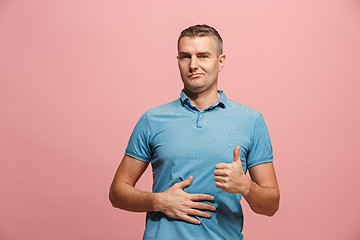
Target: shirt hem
259	162
137	157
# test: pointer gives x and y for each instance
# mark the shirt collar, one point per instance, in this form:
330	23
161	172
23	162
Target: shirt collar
221	102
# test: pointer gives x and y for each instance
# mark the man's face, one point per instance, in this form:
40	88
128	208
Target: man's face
199	63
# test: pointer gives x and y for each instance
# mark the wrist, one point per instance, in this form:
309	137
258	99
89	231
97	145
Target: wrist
246	191
157	202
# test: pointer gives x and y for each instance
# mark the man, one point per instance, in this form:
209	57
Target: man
199	147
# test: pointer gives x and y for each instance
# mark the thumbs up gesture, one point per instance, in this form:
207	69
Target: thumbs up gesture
230	177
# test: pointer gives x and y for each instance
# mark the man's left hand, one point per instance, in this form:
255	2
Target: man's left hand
230	177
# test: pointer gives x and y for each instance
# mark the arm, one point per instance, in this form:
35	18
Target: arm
123	193
263	195
261	192
174	202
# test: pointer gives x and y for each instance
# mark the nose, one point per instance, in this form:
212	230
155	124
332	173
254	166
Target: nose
193	64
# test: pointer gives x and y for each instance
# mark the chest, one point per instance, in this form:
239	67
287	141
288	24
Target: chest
199	140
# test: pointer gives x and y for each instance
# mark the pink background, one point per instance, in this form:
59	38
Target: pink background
76	76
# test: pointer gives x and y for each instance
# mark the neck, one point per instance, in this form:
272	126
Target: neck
202	100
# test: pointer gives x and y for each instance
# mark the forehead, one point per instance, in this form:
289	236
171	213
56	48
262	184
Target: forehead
197	44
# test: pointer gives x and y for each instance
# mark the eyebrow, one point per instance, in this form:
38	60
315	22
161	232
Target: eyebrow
184	53
204	53
200	53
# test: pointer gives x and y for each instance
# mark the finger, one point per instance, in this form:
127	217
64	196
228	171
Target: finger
185	183
203	206
201	197
221	172
222	166
190	219
220	179
236	154
198	213
220	185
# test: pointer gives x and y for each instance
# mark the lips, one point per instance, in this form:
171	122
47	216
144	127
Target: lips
196	75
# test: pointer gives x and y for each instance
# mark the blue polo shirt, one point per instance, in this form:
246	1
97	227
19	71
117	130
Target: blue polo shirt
180	141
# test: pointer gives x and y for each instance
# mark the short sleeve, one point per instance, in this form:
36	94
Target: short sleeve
139	142
260	149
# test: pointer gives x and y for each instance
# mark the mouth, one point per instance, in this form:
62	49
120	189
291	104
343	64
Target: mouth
195	75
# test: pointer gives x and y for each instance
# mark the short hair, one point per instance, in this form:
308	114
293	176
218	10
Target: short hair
203	30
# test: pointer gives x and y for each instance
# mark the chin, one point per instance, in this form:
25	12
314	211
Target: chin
195	89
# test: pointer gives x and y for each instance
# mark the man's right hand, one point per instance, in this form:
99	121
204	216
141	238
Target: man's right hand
178	204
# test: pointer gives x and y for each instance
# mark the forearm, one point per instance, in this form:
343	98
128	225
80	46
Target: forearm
262	200
126	197
174	202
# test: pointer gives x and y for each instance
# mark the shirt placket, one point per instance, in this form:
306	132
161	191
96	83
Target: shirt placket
200	119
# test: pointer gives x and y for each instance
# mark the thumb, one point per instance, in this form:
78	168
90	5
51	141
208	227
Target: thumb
236	154
186	182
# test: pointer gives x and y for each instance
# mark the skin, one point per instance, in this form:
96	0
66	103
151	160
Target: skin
261	191
199	65
174	202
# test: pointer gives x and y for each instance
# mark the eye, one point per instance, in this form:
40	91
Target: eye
203	56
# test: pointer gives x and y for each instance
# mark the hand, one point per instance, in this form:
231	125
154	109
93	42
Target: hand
230	177
179	205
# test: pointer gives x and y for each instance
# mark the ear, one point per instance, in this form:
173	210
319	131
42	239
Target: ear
221	61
